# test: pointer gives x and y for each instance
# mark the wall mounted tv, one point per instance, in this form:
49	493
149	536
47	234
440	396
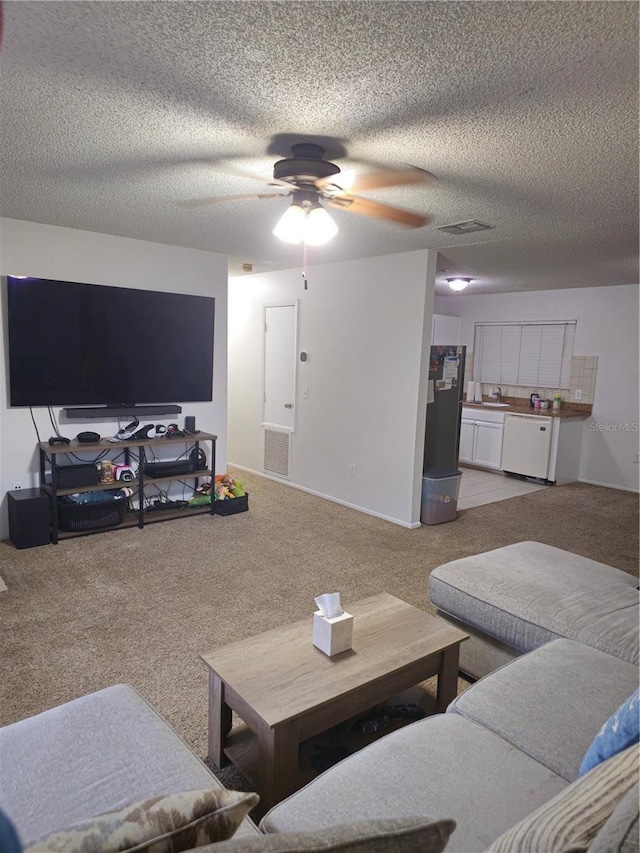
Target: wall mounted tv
73	344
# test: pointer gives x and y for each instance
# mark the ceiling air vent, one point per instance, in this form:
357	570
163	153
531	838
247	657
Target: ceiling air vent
466	227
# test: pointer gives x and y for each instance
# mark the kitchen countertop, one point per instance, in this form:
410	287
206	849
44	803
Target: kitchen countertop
521	406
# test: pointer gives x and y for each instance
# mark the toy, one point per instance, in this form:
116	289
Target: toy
222	487
225	487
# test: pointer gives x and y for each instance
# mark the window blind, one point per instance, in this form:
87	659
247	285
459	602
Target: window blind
530	354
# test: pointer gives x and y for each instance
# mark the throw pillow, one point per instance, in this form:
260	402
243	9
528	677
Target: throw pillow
163	824
392	835
9	841
569	822
621	833
620	731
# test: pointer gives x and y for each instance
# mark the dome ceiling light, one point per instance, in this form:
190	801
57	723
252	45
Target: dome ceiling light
458	283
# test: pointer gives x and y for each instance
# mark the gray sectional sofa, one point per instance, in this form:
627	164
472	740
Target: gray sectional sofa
507	750
505	747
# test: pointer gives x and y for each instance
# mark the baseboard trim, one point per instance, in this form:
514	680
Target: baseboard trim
608	486
410	526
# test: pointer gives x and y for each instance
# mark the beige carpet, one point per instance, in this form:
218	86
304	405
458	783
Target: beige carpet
140	606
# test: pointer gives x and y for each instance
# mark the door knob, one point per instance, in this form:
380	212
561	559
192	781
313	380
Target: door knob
288	405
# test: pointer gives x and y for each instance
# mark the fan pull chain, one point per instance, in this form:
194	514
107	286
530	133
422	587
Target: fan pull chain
304	266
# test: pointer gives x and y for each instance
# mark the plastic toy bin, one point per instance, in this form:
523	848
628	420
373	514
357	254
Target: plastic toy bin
440	488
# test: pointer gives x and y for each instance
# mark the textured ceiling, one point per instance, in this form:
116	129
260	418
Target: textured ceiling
527	114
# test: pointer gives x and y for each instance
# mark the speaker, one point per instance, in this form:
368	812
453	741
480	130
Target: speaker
88	437
190	423
28	518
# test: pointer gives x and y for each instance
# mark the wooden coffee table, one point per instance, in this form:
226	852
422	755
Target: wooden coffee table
287	691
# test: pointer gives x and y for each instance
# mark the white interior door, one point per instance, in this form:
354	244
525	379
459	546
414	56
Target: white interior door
279	366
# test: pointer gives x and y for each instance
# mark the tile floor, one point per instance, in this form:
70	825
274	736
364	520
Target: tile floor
479	487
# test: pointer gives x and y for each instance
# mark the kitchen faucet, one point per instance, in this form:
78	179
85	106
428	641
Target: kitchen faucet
499	394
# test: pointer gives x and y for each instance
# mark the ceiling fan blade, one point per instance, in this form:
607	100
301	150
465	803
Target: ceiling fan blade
366	207
352	182
201	202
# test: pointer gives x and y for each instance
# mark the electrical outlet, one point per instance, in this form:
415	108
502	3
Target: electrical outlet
305	393
636	457
17	487
577	395
352	470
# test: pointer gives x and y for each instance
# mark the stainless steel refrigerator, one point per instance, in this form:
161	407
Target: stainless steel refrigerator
446	377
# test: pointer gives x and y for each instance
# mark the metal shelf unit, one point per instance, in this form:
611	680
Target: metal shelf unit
134	518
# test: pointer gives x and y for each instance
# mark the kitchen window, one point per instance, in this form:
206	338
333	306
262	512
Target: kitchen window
536	354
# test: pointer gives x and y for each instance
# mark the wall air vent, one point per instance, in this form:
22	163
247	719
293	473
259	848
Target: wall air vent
276	452
466	227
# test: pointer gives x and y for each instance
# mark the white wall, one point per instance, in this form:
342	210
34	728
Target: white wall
362	324
47	251
607	328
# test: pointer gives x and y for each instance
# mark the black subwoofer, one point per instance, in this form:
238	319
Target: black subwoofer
28	518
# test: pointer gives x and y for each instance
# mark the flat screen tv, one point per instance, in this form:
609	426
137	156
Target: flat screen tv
73	344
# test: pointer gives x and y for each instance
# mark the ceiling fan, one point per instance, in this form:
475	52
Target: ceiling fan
308	178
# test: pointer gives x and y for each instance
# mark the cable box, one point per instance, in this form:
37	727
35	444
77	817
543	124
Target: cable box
168	469
73	476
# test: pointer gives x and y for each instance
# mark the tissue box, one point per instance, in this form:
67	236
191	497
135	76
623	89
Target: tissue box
332	636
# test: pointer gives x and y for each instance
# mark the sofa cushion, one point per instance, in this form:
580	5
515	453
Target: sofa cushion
528	593
406	835
103	751
620	833
158	825
620	731
570	821
543	704
442	765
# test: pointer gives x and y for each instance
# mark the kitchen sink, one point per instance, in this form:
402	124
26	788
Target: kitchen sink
497	405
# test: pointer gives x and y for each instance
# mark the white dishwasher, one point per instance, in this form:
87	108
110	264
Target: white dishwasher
526	446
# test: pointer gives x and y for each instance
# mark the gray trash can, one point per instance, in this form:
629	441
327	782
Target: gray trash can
440	488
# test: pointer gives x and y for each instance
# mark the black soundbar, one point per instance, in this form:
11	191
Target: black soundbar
117	411
168	469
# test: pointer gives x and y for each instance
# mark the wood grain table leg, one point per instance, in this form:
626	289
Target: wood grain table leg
278	762
219	720
448	677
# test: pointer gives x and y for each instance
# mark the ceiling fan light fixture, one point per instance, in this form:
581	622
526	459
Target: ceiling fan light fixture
306	220
320	227
292	224
458	283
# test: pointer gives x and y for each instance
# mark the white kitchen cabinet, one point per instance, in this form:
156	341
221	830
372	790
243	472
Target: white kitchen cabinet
467	429
487	449
482	434
481	438
445	330
566	444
